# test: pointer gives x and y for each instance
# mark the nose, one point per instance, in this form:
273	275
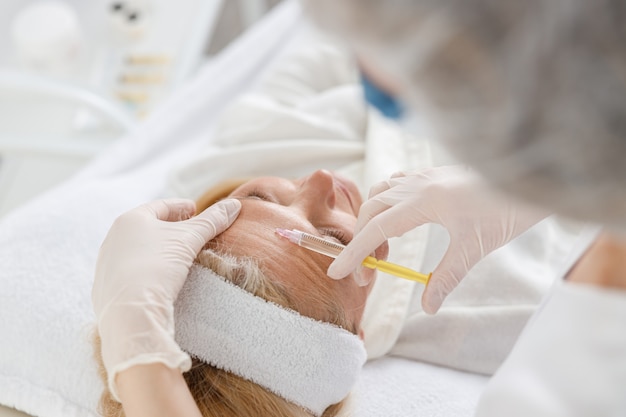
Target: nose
318	190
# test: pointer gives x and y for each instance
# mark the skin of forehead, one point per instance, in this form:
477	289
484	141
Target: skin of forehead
253	235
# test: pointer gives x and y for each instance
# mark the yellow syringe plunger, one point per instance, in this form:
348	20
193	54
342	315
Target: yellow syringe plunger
397	270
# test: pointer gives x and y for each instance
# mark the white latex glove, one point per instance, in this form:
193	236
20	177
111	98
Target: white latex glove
478	221
141	267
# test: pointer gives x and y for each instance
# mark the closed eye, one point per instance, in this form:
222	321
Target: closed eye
337	234
258	194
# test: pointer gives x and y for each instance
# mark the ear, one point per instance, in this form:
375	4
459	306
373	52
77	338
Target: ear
361	334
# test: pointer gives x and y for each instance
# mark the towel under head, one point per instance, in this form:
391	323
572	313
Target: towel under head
308	362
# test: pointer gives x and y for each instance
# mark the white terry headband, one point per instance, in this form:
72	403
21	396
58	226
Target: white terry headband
310	363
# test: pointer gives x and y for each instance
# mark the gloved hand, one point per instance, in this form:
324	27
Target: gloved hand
478	220
141	267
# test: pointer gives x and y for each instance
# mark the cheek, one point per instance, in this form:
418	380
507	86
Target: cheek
353	297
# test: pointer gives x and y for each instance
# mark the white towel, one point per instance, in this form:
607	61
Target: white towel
305	361
397	387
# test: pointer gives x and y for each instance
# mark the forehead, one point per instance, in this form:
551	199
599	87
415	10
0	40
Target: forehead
254	231
297	269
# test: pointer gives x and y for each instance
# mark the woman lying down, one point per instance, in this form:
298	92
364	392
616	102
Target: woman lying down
269	333
301	351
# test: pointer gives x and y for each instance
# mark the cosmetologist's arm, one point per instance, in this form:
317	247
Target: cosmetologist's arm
157	391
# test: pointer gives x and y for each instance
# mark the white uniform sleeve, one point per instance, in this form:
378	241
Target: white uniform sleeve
569	362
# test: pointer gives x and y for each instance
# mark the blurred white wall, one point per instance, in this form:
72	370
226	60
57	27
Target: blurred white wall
43	141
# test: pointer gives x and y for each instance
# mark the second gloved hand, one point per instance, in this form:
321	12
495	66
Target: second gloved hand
142	265
478	221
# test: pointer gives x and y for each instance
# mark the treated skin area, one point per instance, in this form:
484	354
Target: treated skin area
323	204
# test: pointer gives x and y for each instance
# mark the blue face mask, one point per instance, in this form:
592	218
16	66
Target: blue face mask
387	104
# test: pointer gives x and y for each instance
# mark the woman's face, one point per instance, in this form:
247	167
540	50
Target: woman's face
323	204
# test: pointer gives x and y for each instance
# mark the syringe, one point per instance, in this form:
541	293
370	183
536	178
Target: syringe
332	249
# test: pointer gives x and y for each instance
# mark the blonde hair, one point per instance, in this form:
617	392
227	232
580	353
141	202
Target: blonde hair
219	393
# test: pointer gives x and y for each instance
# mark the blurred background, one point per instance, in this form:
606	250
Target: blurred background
76	75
